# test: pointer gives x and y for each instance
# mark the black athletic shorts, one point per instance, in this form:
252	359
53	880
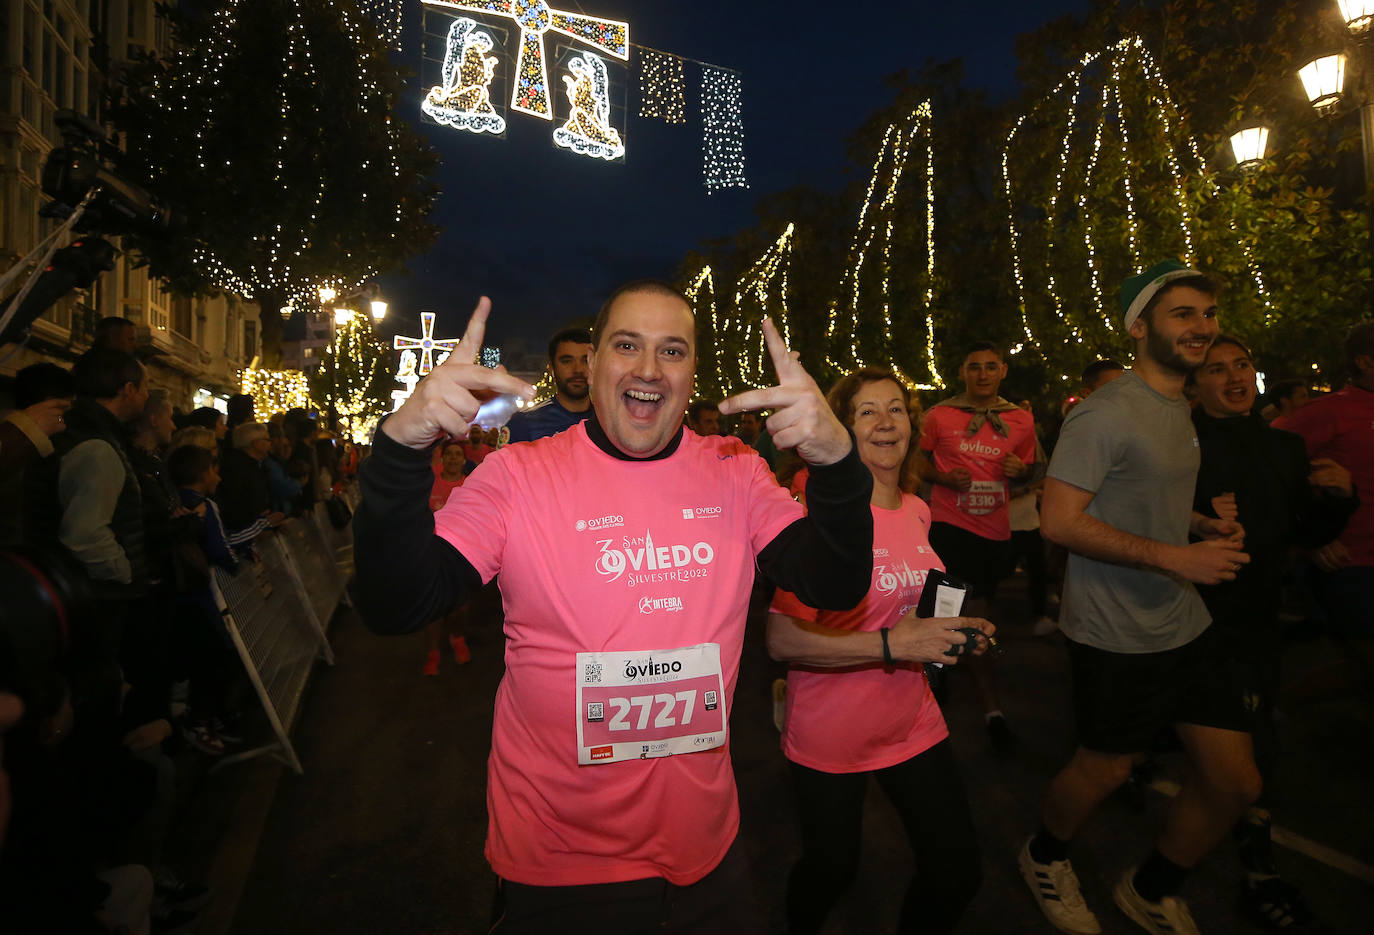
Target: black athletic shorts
967	555
1123	701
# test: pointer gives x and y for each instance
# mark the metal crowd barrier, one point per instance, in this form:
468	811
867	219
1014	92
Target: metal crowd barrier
277	611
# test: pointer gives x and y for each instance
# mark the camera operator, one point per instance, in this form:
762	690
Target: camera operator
42	395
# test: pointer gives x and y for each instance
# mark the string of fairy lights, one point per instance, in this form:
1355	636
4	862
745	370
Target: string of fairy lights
1111	113
194	83
722	129
387	16
662	87
275	390
753	295
888	169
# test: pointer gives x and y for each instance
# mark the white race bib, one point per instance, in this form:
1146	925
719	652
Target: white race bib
983	497
636	705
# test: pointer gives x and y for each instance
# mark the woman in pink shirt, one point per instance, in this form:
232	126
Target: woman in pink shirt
857	698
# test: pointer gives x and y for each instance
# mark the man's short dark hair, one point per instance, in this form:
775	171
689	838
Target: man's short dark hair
1204	284
698	406
39	382
568	336
188	464
101	372
240	408
1099	367
980	346
106	328
207	417
650	286
1283	390
1359	343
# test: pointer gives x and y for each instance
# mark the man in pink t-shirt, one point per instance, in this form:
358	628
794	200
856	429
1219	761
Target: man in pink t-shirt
626	548
1341	427
978	443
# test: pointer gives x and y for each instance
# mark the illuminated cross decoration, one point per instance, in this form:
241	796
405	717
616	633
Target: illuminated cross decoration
534	19
426	343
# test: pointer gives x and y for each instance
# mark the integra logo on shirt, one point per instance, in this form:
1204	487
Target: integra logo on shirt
976	447
905	577
600	522
648	605
650	563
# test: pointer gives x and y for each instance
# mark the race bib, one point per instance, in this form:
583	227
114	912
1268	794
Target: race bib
632	706
983	497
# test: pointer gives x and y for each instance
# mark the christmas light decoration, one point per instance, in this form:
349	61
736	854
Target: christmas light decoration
753	302
187	82
427	344
463	101
588	131
274	390
535	18
722	129
386	16
407	376
1077	201
346	379
662	91
876	221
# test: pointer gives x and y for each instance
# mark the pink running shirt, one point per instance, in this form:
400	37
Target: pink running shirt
982	510
1340	426
438	495
867	717
602	555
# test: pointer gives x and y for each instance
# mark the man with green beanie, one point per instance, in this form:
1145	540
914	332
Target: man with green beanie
1119	497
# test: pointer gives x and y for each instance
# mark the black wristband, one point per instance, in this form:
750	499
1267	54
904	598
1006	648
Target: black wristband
887	650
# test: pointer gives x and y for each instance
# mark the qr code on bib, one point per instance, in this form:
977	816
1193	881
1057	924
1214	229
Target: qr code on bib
591	673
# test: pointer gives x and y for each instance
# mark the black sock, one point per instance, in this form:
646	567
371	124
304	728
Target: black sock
1159	877
1045	848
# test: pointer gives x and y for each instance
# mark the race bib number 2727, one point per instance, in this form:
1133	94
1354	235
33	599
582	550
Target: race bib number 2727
638	705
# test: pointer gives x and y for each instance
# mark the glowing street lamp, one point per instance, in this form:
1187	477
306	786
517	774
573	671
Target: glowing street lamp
378	310
1249	145
1324	79
1358	15
342	316
327	294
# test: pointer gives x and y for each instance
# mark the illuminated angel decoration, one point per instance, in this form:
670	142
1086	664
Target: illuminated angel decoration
464	100
588	131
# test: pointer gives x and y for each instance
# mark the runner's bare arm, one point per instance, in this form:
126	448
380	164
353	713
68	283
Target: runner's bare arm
1064	520
911	639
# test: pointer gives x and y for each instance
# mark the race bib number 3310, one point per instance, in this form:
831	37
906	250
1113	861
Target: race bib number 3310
637	705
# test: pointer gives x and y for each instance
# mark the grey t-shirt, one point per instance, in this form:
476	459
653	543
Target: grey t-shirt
1137	453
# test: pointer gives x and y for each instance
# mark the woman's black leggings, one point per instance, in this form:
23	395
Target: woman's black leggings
929	796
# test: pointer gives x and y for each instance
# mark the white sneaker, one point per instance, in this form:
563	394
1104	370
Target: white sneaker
1169	916
779	702
1044	626
1055	887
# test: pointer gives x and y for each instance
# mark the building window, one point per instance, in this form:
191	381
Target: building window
182	316
250	340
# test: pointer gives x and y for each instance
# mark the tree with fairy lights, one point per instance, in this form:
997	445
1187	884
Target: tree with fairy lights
270	130
353	381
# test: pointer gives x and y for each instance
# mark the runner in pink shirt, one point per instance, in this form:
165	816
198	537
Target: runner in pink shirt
857	698
626	548
979	444
1341	427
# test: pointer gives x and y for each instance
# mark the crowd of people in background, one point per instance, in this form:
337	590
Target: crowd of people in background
124	503
1169	519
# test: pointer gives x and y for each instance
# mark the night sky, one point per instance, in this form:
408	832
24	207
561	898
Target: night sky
548	234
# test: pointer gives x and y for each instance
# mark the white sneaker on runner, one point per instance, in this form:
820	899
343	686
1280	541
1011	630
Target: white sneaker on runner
1169	916
1055	887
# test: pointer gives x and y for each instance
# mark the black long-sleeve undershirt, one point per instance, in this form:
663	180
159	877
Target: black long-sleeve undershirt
407	576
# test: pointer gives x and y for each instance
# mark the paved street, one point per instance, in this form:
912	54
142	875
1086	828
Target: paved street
384	831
